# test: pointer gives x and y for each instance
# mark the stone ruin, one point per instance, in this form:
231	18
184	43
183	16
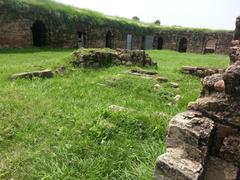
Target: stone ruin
104	57
201	71
204	142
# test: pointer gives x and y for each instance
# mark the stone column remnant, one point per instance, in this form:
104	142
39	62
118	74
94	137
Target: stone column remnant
204	142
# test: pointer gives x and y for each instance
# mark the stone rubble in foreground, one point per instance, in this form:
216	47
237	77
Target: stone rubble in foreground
204	142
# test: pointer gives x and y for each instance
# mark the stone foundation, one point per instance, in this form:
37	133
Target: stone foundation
105	57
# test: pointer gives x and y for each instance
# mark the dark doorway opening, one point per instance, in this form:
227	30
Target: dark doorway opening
109	40
182	45
82	39
39	33
143	45
160	43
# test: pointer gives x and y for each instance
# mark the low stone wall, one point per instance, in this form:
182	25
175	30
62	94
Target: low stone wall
200	71
204	142
105	57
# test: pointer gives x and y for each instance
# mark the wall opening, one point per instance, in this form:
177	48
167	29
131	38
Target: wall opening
210	46
143	43
82	39
39	33
109	40
160	43
129	41
182	45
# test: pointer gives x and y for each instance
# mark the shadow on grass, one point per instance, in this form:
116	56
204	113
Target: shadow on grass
32	50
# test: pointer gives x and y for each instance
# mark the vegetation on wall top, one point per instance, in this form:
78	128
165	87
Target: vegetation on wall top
99	19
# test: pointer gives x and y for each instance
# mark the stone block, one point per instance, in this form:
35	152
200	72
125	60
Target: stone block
191	132
209	84
230	150
200	71
219	107
231	78
221	132
30	75
218	169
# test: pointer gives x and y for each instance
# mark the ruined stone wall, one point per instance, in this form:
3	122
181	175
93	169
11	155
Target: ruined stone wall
196	41
203	143
61	31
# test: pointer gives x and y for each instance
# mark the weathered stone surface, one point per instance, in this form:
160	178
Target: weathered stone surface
30	75
103	57
191	132
221	132
136	57
237	29
143	72
230	150
218	169
162	79
232	79
60	70
210	85
220	108
116	108
93	58
219	86
172	166
235	53
177	98
157	86
200	71
174	85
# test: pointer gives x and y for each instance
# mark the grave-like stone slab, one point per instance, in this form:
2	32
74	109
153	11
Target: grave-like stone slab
30	75
200	71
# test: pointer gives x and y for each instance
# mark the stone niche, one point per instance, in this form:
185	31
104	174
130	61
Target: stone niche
203	143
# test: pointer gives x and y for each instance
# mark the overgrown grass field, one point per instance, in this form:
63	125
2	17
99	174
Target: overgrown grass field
61	128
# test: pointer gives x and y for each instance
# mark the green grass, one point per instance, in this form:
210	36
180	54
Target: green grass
61	128
96	18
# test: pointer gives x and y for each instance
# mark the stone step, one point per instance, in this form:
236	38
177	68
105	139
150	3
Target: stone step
172	166
191	132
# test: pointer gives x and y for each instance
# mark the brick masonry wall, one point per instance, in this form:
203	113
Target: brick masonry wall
16	23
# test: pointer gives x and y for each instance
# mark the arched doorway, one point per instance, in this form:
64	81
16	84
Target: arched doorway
81	40
143	45
210	46
160	43
39	33
182	47
109	40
